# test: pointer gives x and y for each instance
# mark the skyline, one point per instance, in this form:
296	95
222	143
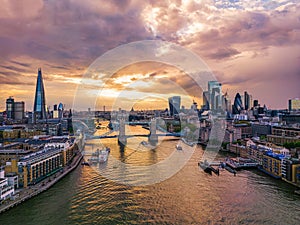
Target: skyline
252	46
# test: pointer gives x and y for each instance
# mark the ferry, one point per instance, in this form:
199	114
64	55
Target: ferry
240	163
100	156
205	166
178	147
84	163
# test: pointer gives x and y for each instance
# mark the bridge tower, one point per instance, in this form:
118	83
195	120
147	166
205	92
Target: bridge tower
153	137
122	139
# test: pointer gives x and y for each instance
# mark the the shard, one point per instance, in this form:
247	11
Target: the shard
40	101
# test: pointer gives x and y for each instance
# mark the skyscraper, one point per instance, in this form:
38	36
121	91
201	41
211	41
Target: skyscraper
19	110
215	95
39	109
10	105
14	110
205	98
174	105
246	100
237	105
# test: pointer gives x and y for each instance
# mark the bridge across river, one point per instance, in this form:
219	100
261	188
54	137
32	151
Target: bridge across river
122	137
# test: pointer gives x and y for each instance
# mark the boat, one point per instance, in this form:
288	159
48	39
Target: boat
229	169
100	156
103	156
205	166
178	147
240	163
84	163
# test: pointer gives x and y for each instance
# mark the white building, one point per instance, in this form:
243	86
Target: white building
6	190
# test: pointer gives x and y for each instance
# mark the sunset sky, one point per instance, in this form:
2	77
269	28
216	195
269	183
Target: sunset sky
249	45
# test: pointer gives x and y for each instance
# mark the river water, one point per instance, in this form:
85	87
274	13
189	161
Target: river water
189	197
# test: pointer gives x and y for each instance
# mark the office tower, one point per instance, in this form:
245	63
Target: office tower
39	109
19	110
251	102
205	98
215	95
55	112
60	110
237	105
255	103
10	108
174	105
294	104
246	100
15	110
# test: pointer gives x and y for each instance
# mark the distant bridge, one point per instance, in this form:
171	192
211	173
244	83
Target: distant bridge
122	137
133	135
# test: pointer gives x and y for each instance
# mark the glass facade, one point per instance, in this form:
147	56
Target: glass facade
174	105
215	95
39	101
237	105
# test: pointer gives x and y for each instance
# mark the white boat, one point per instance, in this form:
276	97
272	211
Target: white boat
178	147
100	156
103	156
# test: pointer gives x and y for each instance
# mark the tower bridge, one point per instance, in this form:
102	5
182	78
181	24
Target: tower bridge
122	136
152	137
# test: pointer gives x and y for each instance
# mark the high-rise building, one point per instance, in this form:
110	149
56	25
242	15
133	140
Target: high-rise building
15	110
19	110
39	110
246	100
255	103
215	95
294	104
251	102
55	112
10	102
60	110
237	105
174	105
205	98
226	103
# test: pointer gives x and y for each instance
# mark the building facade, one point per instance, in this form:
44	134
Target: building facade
39	109
174	105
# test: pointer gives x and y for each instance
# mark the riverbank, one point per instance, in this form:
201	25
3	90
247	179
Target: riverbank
31	191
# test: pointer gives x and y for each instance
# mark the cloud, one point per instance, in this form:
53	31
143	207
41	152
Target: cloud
242	39
223	53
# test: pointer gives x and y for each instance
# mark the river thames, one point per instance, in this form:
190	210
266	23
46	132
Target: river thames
189	197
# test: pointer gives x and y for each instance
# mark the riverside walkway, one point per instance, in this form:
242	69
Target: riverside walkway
33	190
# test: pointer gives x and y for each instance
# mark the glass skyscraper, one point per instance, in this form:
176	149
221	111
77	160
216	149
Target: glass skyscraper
174	105
215	95
39	109
237	105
